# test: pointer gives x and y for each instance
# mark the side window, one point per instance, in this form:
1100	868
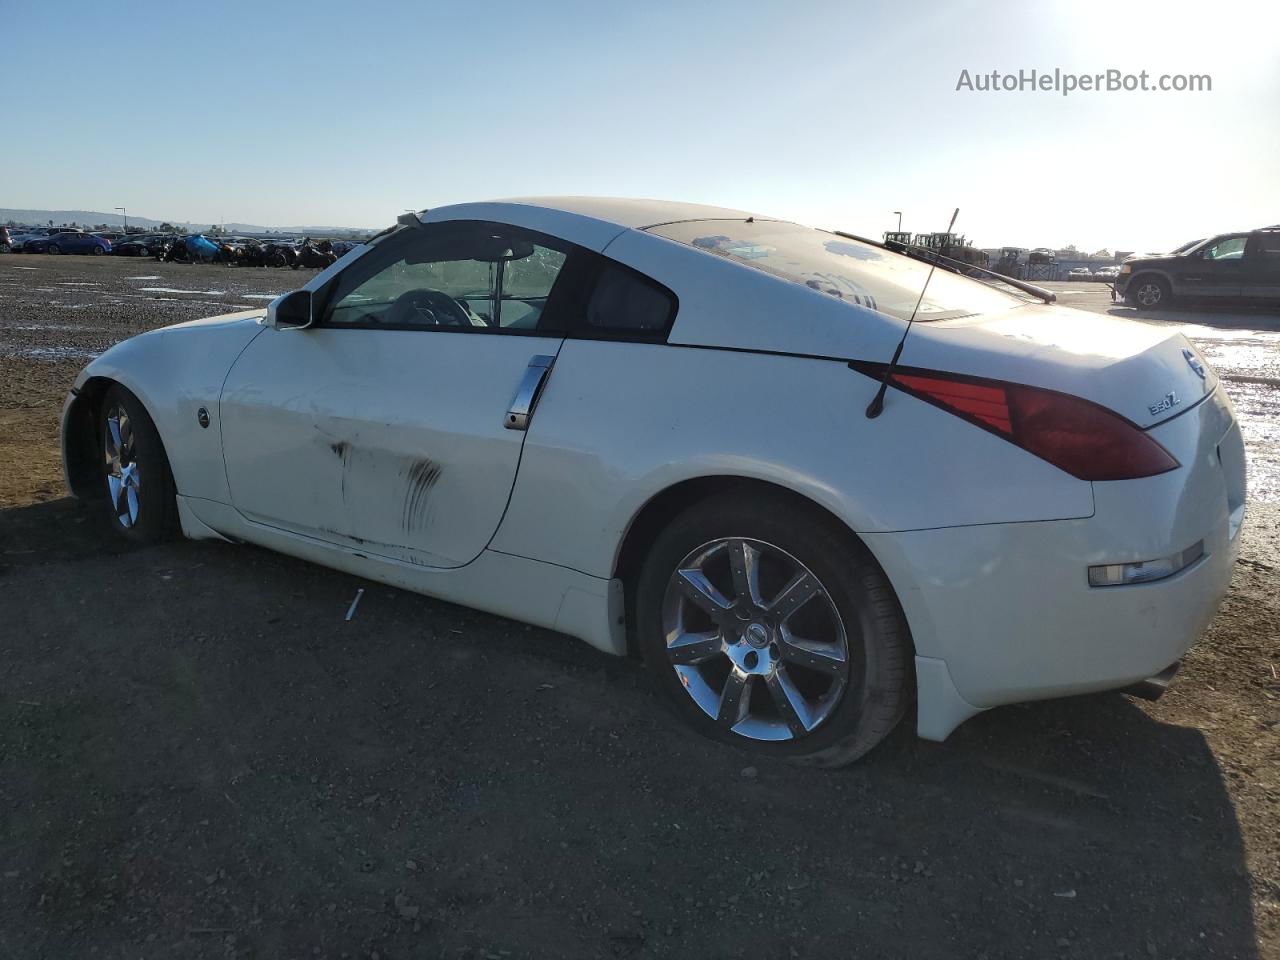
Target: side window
459	275
1268	245
1232	248
625	303
526	287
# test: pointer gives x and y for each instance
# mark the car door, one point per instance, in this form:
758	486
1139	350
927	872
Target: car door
1262	266
395	424
1216	270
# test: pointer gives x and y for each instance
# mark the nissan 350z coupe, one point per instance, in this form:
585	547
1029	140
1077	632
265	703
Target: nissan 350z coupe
645	424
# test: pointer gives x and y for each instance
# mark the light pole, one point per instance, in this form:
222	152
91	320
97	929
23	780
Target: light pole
125	213
899	213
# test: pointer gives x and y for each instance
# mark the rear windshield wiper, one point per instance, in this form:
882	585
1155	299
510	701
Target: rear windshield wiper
925	255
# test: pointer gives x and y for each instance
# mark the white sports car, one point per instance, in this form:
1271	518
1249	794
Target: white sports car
655	426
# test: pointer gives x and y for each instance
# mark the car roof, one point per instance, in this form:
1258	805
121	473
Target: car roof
592	222
633	212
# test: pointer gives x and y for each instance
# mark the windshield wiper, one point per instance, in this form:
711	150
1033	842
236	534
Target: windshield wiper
925	255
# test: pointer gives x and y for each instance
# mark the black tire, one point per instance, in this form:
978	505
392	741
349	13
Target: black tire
98	251
52	249
1148	292
157	509
878	685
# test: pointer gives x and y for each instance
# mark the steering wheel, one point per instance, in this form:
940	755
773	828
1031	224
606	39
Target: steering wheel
427	307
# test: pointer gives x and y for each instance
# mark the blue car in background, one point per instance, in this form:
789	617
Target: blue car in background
68	242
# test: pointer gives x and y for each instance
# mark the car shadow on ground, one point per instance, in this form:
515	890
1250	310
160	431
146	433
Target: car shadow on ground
199	755
1262	317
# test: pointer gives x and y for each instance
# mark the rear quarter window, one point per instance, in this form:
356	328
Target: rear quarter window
625	303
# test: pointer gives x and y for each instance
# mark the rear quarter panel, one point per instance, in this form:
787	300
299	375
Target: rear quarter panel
619	423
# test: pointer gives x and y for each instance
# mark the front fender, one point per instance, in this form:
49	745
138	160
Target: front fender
175	372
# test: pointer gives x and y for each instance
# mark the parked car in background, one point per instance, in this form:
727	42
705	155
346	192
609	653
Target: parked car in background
139	245
1107	274
1230	266
1080	273
642	423
111	235
68	242
6	241
23	235
18	239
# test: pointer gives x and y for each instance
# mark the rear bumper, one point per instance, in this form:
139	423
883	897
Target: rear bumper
1004	613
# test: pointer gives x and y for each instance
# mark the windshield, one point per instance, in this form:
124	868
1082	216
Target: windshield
858	273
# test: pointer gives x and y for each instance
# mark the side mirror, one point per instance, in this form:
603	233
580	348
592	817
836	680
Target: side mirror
292	311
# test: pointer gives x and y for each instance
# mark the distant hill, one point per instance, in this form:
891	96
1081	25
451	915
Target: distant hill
93	217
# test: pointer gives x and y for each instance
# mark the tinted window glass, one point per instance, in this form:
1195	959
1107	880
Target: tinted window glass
858	273
624	301
1269	245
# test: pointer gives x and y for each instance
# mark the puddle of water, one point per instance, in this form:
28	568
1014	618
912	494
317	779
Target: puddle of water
259	296
203	293
77	283
48	353
142	278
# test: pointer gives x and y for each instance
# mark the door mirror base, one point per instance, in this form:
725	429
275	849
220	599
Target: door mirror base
292	311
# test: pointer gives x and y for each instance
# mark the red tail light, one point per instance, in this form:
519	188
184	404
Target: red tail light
1084	439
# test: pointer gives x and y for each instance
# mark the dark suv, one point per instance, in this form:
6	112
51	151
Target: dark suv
1228	266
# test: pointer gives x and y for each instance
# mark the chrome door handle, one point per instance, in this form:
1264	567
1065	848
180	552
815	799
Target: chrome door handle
526	398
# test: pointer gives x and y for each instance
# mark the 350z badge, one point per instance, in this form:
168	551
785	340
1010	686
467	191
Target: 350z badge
1167	402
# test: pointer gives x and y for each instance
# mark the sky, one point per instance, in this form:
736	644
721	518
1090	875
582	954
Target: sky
834	114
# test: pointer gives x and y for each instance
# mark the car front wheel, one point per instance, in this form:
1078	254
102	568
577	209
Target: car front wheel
1149	293
53	249
139	487
771	627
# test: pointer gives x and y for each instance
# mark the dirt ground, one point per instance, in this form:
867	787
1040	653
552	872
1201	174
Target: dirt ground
199	757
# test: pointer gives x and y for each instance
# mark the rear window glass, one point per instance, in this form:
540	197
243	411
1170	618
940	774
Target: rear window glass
857	273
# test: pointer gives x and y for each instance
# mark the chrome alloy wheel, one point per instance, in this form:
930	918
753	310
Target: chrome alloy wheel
755	639
123	478
1149	294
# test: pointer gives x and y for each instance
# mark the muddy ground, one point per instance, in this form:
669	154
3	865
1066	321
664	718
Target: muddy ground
199	757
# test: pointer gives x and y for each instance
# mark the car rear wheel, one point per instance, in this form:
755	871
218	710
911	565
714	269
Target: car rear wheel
770	627
1149	293
140	500
53	249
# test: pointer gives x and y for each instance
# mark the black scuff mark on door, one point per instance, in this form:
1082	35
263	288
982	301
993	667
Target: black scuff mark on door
342	450
422	476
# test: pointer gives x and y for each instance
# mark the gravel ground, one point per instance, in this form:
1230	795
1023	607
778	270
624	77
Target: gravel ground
200	757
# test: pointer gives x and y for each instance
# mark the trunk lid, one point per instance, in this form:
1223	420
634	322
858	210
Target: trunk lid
1145	372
